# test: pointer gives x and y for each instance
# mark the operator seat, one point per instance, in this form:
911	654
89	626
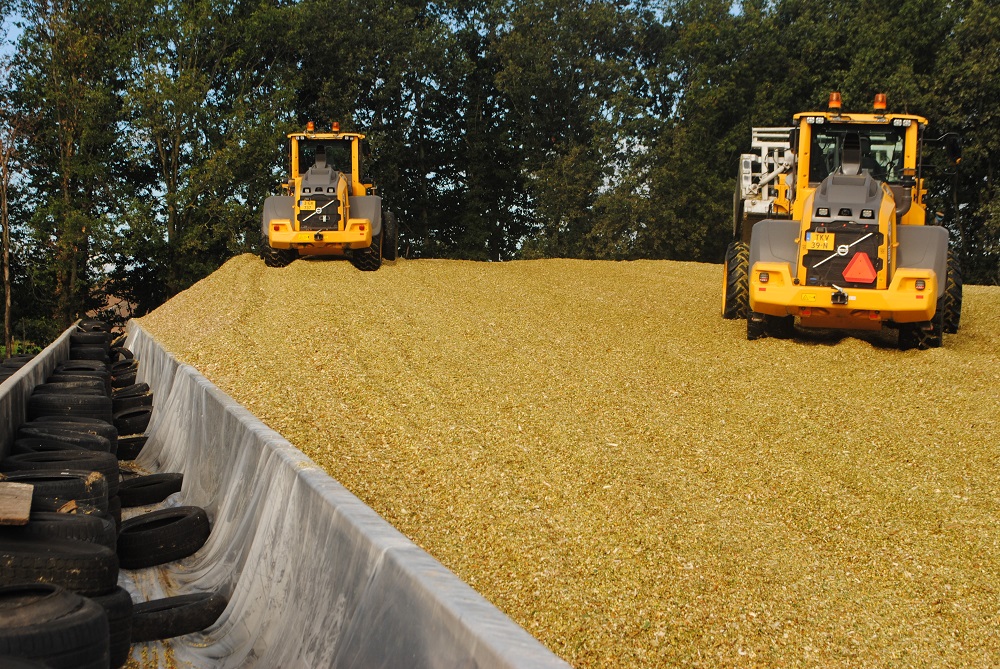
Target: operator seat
850	155
319	178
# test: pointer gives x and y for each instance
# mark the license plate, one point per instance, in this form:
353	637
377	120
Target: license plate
307	205
819	241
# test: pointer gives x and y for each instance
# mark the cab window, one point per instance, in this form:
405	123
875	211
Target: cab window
881	150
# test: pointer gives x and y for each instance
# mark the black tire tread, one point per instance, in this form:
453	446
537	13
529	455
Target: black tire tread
175	616
736	300
273	257
149	489
162	536
78	566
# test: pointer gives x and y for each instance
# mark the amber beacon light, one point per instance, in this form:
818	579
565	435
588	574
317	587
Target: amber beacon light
834	100
880	102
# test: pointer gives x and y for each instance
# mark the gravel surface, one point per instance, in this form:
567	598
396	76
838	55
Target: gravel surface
601	455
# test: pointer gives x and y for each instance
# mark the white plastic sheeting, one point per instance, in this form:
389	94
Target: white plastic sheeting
314	577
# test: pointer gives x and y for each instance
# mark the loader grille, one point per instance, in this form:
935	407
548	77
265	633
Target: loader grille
319	212
826	268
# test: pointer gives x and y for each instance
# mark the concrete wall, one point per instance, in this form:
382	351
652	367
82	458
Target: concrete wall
14	390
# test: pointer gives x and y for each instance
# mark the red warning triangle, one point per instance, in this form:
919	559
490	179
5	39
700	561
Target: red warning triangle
860	269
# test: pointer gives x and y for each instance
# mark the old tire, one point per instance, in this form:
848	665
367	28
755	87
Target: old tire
94	386
175	616
80	566
56	627
149	489
119	608
162	536
88	426
134	420
77	526
736	281
131	402
83	406
95	461
130	446
42	444
55	489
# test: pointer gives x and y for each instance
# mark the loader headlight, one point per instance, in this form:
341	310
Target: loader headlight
867	213
823	211
902	122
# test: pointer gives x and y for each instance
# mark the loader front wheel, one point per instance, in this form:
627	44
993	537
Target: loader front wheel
273	257
736	281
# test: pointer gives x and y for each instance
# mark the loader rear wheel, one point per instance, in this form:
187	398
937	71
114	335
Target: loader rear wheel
370	259
273	257
736	281
953	295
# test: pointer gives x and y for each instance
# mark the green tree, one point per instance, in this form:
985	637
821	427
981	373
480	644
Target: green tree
204	104
966	88
65	71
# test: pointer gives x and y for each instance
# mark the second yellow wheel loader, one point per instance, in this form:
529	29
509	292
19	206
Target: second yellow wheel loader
831	231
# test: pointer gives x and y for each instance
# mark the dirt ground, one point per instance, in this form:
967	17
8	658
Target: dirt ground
601	455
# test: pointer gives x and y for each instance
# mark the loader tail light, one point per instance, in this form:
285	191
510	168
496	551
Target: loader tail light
764	277
920	284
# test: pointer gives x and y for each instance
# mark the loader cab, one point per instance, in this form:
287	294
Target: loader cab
875	150
341	152
332	153
886	147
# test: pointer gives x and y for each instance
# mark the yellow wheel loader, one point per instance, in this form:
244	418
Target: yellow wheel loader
326	208
831	230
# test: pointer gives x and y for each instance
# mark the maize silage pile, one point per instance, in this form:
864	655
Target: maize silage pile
597	452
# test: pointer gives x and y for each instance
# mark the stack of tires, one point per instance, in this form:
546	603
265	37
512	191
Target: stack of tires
60	602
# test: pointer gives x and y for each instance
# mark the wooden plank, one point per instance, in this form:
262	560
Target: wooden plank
15	503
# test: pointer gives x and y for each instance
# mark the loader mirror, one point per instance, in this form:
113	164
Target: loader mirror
793	139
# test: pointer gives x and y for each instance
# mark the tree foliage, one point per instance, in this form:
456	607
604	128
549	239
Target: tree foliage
501	128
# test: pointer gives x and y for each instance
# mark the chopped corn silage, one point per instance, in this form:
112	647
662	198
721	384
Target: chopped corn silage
601	455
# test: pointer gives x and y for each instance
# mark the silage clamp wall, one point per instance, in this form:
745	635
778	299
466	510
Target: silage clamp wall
315	578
